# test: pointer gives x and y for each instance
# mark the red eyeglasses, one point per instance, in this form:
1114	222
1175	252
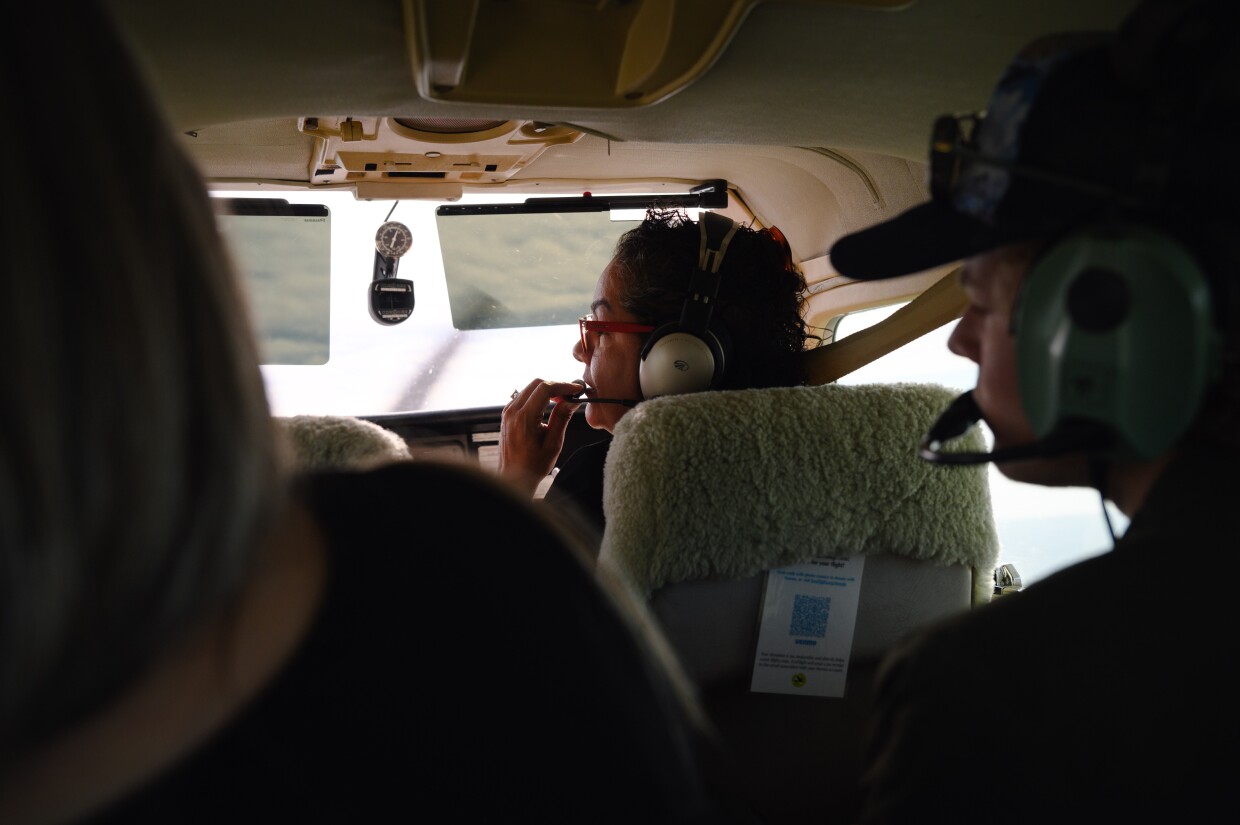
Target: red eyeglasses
588	324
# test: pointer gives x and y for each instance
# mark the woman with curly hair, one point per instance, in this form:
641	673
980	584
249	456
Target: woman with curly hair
647	335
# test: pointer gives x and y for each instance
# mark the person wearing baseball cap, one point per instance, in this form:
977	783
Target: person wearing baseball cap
1092	206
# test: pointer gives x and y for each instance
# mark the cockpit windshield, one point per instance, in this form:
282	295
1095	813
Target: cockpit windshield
495	289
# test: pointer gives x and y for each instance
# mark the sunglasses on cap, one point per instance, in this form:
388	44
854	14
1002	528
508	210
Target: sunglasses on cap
954	140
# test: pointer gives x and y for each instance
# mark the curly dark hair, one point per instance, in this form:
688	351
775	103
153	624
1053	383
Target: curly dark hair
760	301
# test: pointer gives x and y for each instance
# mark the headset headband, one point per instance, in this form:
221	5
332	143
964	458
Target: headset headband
716	233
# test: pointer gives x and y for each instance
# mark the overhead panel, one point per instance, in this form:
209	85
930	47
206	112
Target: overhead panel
369	150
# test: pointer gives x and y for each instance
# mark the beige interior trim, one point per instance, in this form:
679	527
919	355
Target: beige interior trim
941	303
851	165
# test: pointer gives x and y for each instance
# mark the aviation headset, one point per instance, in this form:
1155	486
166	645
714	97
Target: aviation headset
1116	340
690	355
1117	344
1118	327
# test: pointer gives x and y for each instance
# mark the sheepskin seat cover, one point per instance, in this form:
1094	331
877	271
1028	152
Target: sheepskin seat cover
322	442
724	485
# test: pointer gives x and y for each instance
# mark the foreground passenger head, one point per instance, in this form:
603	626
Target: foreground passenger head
136	457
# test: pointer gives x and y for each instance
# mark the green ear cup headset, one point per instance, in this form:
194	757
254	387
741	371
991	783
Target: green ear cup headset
1115	333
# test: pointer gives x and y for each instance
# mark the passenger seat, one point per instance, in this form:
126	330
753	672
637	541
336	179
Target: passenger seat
711	497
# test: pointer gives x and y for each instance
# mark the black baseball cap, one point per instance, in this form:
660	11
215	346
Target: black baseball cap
1062	141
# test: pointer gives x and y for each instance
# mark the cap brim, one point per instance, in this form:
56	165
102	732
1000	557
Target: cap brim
925	236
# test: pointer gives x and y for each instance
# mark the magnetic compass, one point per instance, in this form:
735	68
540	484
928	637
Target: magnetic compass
393	239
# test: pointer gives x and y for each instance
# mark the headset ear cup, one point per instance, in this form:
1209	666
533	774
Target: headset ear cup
687	356
721	343
1114	327
674	362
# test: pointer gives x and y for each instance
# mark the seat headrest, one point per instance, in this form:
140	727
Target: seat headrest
328	442
723	485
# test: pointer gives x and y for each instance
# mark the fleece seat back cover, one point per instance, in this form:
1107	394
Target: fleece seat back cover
724	485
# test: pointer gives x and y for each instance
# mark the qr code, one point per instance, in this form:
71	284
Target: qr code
809	616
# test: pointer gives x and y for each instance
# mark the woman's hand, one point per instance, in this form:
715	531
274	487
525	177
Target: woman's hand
529	446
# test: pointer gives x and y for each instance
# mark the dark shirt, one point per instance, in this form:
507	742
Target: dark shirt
462	666
577	490
1104	693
